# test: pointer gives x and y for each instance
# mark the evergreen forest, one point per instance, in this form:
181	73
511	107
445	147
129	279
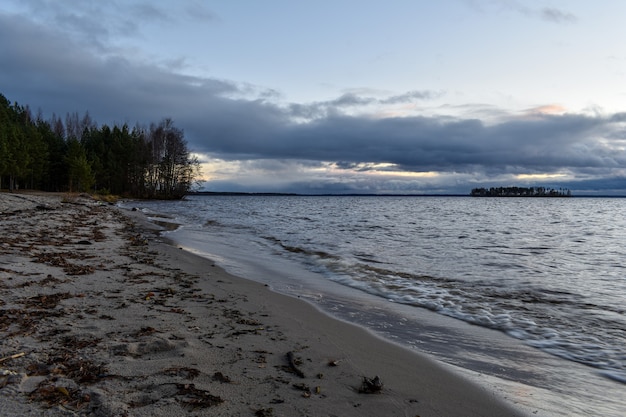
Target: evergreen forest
75	154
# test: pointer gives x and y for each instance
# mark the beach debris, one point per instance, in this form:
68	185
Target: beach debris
23	322
293	364
138	240
167	290
333	362
51	394
7	377
185	372
218	376
7	372
145	331
60	259
50	280
306	390
261	357
47	301
72	269
264	412
80	370
17	355
371	385
249	322
75	342
194	398
98	235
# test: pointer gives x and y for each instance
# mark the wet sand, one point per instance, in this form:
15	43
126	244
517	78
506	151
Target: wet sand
100	316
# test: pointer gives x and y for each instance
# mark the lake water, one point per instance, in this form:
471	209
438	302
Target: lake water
524	295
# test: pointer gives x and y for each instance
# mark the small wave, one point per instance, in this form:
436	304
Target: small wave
537	248
300	250
523	313
614	375
169	226
369	260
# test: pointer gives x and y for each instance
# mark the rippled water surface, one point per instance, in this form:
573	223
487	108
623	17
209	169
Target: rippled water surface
548	272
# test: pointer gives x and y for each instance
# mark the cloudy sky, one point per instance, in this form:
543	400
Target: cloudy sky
369	96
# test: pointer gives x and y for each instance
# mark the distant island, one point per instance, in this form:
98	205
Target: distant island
520	192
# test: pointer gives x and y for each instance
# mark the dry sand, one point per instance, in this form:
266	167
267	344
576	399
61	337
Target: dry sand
99	317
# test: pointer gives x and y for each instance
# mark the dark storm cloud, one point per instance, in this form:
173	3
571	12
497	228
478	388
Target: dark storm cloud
548	143
46	70
541	144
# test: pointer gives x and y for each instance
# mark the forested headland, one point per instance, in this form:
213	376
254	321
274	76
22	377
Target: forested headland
75	154
520	192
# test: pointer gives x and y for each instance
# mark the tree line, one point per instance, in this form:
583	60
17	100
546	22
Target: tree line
78	155
520	192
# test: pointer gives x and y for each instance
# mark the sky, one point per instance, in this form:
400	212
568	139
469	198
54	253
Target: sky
343	96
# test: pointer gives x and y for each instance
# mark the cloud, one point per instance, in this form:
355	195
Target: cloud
557	16
548	14
410	96
417	143
101	24
198	11
149	11
324	145
352	100
547	109
87	21
47	69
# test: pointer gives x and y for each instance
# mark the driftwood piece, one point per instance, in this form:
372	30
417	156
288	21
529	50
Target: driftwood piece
293	365
17	355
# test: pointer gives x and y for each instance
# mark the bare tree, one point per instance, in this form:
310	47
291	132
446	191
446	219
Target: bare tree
172	170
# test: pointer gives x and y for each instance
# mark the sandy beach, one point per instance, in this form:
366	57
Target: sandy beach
100	316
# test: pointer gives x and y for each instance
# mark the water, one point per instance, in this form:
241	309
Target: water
547	274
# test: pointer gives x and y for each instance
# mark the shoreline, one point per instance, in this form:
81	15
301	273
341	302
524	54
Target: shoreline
162	331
